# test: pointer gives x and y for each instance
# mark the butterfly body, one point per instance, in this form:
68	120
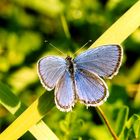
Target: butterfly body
79	79
70	65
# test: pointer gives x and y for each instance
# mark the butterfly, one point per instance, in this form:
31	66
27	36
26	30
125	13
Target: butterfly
79	79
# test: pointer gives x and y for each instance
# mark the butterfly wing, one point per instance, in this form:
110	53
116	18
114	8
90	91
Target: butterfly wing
104	60
50	70
90	88
64	93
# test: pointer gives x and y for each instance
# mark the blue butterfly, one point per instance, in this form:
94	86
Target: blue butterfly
79	79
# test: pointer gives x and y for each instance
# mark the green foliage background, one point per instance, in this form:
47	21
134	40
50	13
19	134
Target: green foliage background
24	25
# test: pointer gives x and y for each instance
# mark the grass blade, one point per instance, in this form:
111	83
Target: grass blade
40	131
122	28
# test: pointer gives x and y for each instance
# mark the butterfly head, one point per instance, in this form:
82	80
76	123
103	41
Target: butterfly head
68	58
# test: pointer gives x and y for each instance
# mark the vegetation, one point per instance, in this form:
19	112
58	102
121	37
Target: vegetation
24	26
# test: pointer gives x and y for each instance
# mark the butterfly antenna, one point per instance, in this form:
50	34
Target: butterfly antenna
46	41
83	46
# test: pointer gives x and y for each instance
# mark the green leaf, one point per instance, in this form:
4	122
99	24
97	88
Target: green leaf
121	119
132	129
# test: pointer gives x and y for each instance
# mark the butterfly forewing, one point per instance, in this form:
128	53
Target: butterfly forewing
90	88
104	60
50	70
64	92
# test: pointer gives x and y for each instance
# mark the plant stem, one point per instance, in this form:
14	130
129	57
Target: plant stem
100	111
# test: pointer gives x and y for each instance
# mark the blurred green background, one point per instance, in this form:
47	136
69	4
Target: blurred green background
26	24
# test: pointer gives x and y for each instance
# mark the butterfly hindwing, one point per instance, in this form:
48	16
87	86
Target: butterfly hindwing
90	88
50	70
104	60
64	92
